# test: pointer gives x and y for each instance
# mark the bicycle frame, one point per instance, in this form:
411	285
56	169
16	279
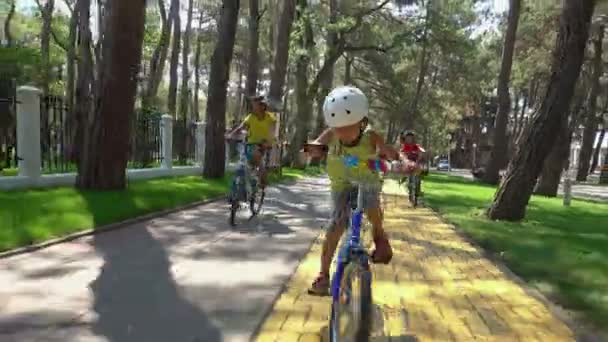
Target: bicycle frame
352	248
242	170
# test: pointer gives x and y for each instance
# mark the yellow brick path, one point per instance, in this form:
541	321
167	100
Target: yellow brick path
437	288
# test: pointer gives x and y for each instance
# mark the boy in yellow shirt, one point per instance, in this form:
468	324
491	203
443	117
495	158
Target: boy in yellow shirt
260	126
346	111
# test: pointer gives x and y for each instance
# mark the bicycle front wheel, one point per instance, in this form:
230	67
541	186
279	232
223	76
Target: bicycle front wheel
351	316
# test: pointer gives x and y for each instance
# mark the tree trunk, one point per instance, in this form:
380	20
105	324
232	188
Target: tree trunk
197	71
553	166
328	78
172	97
410	117
45	75
71	62
591	121
252	55
348	66
521	119
159	56
499	150
84	82
281	55
185	94
559	158
515	192
239	104
45	39
303	97
7	24
596	152
216	96
106	142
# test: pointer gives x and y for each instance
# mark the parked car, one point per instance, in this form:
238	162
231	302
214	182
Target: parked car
443	165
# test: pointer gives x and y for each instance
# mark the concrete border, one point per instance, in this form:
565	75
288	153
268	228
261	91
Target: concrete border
582	331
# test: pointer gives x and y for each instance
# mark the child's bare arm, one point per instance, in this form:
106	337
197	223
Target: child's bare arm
325	137
385	149
237	129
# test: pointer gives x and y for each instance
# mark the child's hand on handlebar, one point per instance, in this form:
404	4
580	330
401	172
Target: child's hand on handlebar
315	150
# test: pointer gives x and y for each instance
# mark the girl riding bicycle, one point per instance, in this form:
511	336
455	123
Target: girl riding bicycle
346	113
260	125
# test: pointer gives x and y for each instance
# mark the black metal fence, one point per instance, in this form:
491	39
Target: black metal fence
184	142
145	141
56	136
8	128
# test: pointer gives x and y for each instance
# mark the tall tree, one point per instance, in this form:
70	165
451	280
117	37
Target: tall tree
328	79
216	95
536	141
591	117
304	102
84	81
46	12
597	150
499	150
106	143
71	61
185	93
410	116
252	54
159	56
556	161
174	63
197	70
281	49
7	23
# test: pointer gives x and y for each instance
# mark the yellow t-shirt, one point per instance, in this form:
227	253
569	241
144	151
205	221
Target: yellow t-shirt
259	130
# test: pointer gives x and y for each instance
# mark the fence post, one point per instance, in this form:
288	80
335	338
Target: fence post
166	132
28	132
200	143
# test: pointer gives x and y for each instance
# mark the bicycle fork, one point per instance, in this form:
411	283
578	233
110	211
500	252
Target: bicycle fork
348	251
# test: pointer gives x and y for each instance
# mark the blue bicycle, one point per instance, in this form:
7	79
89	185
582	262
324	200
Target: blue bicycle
245	185
351	285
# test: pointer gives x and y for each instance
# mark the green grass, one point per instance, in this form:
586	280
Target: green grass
563	251
8	172
31	216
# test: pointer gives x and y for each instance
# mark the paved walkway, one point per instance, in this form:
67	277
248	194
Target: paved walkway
438	288
185	277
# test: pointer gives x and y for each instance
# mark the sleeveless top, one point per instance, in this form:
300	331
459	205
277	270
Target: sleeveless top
339	174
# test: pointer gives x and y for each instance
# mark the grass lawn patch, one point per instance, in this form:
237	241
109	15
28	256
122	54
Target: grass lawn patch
31	216
9	172
563	251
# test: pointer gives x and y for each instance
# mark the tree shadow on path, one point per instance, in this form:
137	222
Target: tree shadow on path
136	297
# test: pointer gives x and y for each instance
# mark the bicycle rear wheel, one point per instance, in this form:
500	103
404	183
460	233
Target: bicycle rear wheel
256	201
234	207
411	191
234	200
351	316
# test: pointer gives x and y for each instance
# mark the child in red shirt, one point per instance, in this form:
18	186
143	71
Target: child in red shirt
411	153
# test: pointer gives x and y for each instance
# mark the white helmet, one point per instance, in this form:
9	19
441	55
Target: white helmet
345	106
